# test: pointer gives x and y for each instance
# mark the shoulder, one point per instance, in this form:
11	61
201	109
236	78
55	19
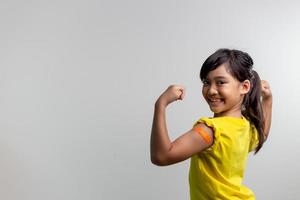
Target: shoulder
216	128
204	127
209	122
254	138
215	124
205	131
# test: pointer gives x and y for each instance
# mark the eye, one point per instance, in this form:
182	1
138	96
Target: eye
220	82
205	82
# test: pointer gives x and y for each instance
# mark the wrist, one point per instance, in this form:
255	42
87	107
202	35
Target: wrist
267	100
160	103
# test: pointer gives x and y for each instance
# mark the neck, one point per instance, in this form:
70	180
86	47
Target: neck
233	113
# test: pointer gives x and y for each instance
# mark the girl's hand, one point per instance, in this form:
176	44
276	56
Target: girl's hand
172	93
266	90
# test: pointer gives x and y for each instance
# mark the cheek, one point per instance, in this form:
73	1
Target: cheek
225	90
204	90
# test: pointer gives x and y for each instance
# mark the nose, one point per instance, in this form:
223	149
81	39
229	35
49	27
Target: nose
212	91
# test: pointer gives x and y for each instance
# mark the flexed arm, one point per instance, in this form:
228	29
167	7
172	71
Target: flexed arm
163	151
267	101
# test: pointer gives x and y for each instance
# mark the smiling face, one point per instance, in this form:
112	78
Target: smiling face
224	93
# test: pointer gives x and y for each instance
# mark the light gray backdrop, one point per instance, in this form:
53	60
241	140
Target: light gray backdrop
78	80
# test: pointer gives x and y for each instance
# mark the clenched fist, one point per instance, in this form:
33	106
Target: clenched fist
266	90
171	94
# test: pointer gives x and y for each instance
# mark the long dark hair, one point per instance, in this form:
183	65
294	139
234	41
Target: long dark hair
240	65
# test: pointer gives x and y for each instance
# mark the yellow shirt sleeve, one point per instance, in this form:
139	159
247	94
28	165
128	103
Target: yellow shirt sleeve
254	139
212	124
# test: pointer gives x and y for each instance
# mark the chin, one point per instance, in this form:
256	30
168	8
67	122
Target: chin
216	111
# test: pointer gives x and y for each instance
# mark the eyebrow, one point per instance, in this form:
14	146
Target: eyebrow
220	77
217	77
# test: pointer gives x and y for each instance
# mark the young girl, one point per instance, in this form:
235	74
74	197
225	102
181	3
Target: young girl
218	146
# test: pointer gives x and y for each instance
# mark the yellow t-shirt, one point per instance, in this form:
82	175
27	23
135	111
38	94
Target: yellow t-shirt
217	172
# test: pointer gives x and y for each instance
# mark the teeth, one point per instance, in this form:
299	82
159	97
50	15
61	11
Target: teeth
215	100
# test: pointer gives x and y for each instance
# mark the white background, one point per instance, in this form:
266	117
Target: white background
78	80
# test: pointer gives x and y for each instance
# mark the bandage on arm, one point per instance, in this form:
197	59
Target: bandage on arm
206	136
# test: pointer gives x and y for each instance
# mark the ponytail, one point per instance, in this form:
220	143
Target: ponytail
252	107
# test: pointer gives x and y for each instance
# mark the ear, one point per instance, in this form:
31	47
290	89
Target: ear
245	86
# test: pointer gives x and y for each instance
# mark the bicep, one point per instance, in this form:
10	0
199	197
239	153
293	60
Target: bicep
190	143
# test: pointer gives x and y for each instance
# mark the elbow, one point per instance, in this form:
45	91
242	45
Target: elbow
159	161
266	137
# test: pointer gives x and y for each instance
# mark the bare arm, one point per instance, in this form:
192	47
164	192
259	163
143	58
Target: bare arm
267	101
163	150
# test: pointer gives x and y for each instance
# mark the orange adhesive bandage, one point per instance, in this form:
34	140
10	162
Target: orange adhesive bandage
204	134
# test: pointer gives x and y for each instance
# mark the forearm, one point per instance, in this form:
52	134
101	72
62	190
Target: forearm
267	110
160	141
